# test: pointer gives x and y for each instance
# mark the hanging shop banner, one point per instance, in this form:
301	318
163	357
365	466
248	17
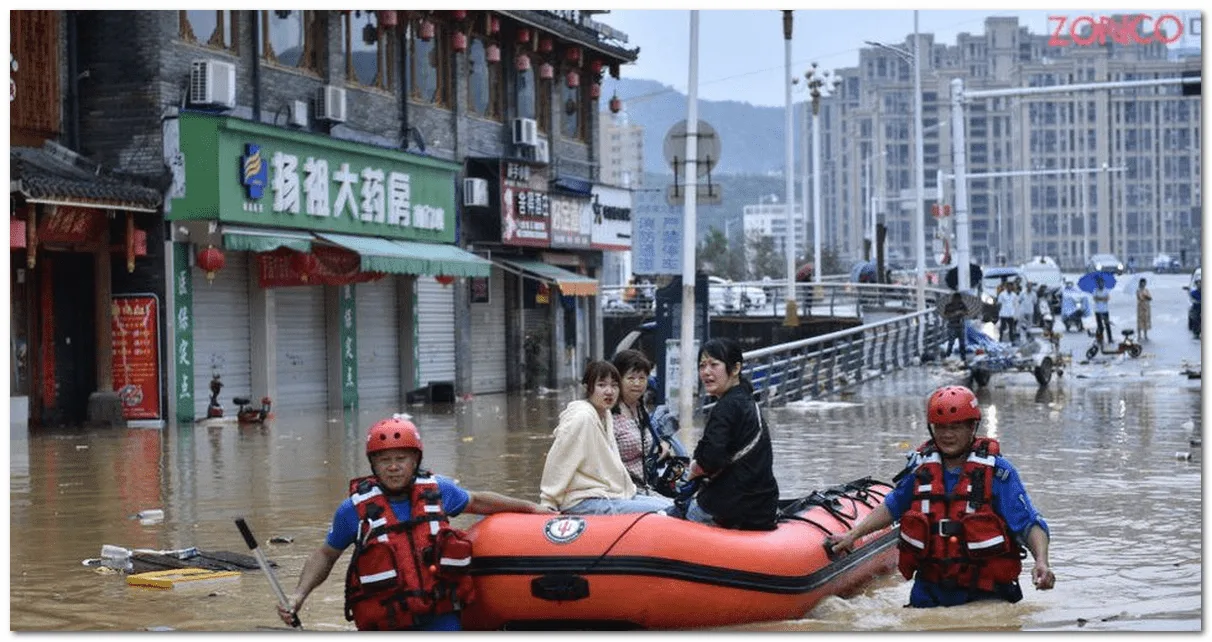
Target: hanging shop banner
324	265
183	333
611	218
525	205
571	221
136	343
70	224
246	172
349	347
480	289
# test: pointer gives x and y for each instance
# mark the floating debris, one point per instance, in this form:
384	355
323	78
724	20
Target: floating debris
281	539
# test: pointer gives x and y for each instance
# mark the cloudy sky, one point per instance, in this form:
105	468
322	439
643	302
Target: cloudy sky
741	51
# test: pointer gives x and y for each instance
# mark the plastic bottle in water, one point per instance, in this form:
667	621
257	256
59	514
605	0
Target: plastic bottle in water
116	557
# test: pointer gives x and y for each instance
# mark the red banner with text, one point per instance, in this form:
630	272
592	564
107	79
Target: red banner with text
136	337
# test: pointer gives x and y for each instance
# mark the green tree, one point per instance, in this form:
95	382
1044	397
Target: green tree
765	261
830	262
714	256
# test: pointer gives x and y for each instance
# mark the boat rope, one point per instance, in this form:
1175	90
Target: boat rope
815	523
617	540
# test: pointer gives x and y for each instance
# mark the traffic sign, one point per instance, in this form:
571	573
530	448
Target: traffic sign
708	148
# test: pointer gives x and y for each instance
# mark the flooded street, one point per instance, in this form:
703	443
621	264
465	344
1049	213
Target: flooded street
1097	450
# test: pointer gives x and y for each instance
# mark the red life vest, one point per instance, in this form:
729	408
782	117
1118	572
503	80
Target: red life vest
957	539
402	569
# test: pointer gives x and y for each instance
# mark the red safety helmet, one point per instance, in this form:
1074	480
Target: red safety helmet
393	432
951	404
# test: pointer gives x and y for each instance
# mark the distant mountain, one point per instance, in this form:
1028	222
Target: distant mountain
751	137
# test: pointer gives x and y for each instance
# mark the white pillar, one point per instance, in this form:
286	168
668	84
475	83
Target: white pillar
686	357
788	172
960	154
919	160
816	191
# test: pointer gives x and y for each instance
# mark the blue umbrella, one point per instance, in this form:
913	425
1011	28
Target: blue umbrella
862	272
1087	284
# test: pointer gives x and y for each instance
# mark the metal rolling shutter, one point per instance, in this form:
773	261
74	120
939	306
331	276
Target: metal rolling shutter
488	338
378	318
435	349
302	349
222	332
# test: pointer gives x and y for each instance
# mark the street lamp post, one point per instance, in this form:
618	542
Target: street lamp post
820	83
791	317
870	226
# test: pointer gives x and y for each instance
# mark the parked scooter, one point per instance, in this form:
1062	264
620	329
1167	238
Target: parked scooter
1128	345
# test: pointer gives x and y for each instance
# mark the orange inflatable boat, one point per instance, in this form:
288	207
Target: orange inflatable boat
655	572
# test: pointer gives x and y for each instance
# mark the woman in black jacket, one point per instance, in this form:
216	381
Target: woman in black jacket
734	456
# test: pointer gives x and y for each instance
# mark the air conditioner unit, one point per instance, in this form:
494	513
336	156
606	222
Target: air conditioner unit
542	152
475	192
212	83
298	113
525	131
330	104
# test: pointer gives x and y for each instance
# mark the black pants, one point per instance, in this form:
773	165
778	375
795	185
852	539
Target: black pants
1006	329
958	334
1103	319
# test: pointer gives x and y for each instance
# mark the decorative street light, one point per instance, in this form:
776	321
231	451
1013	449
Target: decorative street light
821	83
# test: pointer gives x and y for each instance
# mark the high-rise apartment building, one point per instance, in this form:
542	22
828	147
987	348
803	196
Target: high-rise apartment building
621	145
1146	201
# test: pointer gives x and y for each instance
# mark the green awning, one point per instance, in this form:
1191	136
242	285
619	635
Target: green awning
245	239
570	283
407	257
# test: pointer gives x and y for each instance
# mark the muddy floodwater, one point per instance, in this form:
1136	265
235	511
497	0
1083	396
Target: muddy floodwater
1113	462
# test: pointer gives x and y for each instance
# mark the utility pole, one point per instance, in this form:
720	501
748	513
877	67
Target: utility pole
687	385
791	317
919	172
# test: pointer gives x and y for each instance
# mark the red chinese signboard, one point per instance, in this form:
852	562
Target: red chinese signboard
136	338
69	224
525	205
332	266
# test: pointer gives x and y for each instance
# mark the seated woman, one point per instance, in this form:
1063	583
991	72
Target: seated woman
643	450
583	474
734	456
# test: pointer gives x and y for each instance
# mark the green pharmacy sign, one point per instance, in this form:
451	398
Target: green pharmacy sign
249	173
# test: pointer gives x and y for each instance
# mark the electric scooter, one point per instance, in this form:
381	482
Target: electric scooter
1128	345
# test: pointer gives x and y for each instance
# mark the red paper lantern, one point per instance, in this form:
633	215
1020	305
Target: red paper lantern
573	79
426	31
494	24
492	53
595	90
521	62
211	260
573	54
305	263
616	104
444	279
595	65
546	71
458	41
546	45
460	14
387	19
523	36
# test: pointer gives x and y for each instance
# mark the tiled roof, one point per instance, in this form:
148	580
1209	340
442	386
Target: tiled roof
55	172
575	33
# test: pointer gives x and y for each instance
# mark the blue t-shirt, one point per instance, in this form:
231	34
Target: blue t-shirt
345	520
1010	501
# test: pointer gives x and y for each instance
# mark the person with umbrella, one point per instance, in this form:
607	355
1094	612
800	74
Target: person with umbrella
955	311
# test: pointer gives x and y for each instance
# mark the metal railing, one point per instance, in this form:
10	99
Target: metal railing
830	298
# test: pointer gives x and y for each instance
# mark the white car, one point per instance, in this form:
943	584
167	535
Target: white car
725	296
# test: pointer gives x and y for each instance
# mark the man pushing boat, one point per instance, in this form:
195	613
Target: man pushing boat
965	515
408	570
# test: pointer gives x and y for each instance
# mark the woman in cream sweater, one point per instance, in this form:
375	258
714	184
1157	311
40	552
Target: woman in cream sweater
584	474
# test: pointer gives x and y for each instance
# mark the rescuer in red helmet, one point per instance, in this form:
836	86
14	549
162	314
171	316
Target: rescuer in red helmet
964	513
408	570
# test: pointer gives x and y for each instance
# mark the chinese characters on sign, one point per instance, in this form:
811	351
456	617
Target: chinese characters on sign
657	242
136	344
183	333
611	218
525	206
571	221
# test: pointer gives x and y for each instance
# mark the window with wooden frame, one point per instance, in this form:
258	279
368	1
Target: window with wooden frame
291	39
216	29
369	51
429	65
543	89
572	118
525	92
484	81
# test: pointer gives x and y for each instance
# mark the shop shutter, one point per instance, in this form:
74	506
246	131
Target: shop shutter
488	339
302	350
378	339
435	350
222	332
